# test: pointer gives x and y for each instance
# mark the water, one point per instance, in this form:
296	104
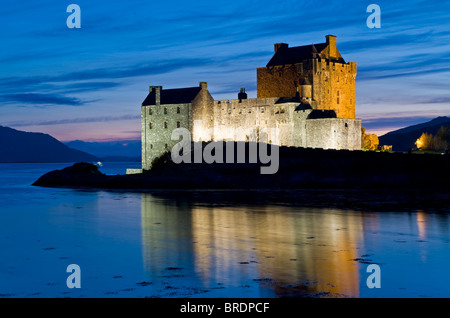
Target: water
164	244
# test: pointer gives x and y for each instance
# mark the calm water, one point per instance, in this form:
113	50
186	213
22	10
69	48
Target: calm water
143	245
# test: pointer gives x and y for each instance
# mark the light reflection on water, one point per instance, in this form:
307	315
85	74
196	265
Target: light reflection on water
294	251
183	247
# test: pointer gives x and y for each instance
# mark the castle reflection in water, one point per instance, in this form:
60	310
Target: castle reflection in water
291	251
284	249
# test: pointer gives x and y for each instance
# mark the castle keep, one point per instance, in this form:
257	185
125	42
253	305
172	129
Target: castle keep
305	98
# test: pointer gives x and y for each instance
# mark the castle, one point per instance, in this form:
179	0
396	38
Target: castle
305	98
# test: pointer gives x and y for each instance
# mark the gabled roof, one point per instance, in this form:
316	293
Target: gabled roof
173	96
293	55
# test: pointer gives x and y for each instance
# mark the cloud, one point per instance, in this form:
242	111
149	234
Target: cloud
134	70
41	99
73	121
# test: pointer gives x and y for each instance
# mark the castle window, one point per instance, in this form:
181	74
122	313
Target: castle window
338	100
337	79
167	146
178	124
165	124
282	111
150	125
346	125
262	109
249	110
229	110
151	146
165	110
150	112
178	110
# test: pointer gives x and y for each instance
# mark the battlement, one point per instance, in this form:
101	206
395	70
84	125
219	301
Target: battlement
250	102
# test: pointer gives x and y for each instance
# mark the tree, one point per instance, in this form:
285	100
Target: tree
441	141
424	142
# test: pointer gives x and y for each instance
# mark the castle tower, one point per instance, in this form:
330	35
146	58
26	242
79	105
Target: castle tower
332	80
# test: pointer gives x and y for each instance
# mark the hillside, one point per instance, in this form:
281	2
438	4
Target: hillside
403	139
20	146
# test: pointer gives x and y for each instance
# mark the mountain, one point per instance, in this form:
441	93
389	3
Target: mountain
21	146
403	139
126	150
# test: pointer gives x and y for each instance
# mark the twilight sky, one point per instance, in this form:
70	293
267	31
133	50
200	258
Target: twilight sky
88	83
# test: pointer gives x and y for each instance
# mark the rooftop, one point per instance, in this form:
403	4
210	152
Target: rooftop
172	96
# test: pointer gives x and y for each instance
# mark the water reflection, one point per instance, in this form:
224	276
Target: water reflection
263	250
280	250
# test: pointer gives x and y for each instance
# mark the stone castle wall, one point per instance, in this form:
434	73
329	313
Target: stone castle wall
334	87
333	84
158	123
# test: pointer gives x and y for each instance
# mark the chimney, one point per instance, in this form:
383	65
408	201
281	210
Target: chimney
242	94
306	89
158	90
331	42
278	46
204	85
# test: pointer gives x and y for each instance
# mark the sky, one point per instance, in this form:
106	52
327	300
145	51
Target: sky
88	83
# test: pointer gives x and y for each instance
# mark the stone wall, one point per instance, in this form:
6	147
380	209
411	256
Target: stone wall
334	87
158	123
280	81
278	123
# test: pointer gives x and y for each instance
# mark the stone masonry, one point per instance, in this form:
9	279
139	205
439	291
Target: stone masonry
305	98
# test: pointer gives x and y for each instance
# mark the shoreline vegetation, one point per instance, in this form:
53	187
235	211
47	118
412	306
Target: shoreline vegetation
335	178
